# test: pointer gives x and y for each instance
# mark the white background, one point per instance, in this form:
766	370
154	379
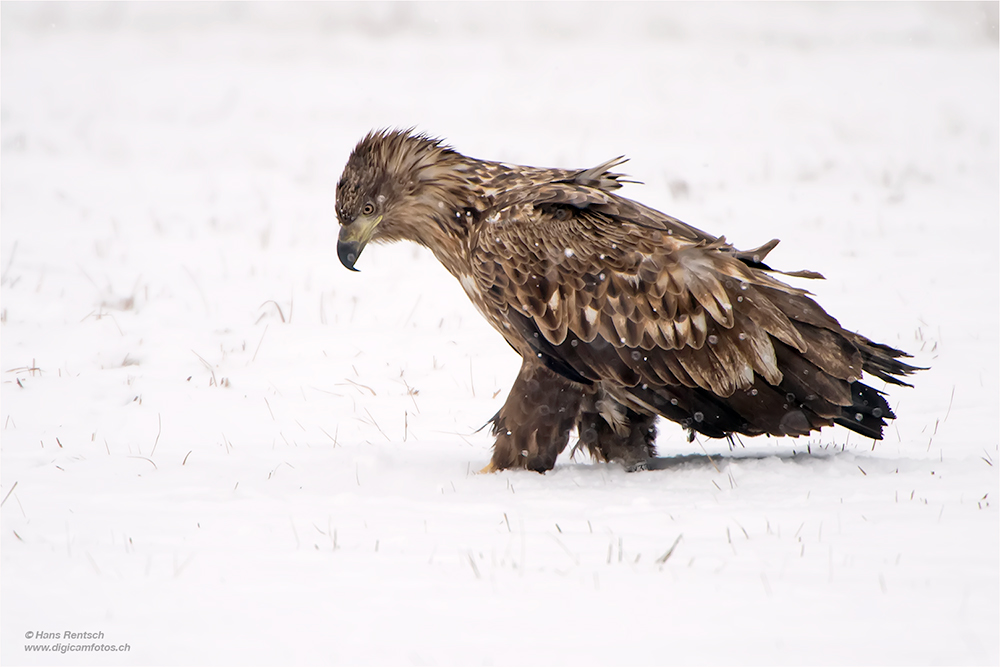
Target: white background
220	447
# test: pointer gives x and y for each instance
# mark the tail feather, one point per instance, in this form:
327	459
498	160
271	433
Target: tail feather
883	362
868	412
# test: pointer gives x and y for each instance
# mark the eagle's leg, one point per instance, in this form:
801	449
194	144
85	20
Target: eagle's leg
611	431
533	426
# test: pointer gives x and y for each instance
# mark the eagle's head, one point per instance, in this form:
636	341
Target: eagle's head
390	190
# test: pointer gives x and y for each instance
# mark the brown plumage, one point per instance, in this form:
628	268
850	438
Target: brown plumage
619	312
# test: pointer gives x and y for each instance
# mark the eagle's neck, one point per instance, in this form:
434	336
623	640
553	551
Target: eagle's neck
441	208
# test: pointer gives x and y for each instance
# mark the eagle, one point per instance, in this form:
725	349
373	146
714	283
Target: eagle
621	314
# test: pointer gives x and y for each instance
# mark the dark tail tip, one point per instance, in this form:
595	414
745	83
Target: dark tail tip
868	413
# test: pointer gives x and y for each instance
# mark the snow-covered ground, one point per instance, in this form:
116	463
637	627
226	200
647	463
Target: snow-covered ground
220	447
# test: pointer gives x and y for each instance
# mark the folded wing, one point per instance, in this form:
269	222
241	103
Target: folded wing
671	320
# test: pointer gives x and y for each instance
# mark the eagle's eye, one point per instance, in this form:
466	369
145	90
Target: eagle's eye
368	209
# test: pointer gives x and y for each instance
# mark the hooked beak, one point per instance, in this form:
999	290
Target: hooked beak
353	239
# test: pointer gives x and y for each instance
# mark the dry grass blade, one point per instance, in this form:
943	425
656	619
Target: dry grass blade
576	561
144	458
10	261
8	494
159	428
411	392
375	423
475	569
670	552
358	384
254	358
207	365
950	401
201	292
332	437
280	313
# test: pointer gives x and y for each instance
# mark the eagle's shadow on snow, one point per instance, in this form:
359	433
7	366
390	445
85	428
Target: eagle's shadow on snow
717	461
713	460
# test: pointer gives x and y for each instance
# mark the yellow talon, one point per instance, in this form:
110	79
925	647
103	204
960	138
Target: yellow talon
488	468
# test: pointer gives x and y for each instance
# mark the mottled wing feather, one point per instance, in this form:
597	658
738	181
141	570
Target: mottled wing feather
646	292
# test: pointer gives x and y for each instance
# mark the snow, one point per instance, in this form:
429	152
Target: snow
221	447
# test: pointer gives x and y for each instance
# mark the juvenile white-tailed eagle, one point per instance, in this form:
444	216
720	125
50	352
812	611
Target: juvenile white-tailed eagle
619	312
